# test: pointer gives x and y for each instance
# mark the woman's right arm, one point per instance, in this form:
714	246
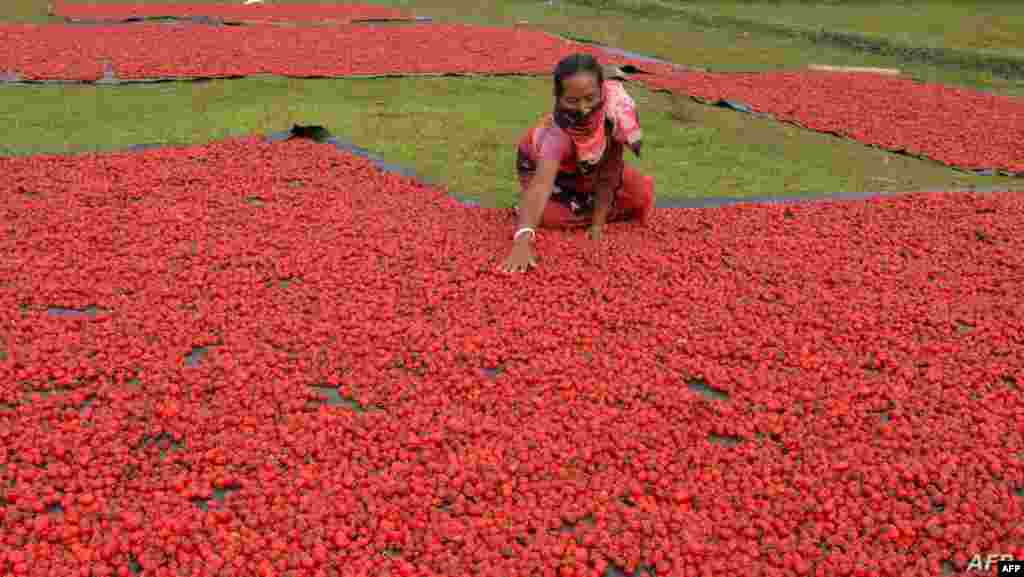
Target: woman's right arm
535	198
537	194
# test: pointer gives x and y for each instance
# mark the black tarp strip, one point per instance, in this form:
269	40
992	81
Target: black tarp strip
109	78
322	135
215	21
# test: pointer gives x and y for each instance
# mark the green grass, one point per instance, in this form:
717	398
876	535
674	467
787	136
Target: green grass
668	29
980	26
982	50
23	11
461	132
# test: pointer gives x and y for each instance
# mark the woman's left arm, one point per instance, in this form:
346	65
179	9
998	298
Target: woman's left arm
602	206
604	189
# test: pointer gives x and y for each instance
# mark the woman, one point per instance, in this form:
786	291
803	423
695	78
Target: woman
571	164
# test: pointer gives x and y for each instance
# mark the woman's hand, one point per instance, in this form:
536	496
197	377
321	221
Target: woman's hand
521	259
601	209
534	199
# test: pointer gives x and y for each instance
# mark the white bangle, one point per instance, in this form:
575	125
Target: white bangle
532	232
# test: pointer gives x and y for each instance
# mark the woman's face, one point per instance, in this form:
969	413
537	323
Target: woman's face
580	94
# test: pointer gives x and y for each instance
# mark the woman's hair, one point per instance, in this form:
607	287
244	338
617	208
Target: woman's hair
575	64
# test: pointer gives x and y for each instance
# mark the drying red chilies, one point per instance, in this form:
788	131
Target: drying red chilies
275	359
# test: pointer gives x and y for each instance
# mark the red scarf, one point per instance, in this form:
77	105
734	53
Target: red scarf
590	138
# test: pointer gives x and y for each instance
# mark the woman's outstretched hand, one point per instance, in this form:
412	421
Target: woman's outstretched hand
521	259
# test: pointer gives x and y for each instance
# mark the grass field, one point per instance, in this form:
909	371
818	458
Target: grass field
981	26
666	29
462	131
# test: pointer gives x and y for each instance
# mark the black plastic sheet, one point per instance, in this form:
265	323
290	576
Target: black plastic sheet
214	21
320	134
109	78
204	20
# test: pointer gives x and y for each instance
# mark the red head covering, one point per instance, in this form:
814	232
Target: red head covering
590	136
